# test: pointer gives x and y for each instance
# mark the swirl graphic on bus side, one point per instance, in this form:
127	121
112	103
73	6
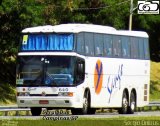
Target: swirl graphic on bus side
98	76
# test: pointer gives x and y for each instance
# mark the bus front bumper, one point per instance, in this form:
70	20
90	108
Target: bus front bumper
55	102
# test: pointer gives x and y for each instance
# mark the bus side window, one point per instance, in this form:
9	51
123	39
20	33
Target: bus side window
80	43
134	48
125	47
146	49
89	46
98	44
116	46
87	50
141	48
107	45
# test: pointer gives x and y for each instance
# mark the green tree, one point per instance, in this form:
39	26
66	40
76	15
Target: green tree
150	24
14	16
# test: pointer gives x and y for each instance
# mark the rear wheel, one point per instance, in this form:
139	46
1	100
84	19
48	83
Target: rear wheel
124	108
36	111
132	106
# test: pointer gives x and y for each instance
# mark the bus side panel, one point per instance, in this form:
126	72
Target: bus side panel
117	75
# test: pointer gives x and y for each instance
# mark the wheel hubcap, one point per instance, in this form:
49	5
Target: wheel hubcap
125	102
85	103
133	105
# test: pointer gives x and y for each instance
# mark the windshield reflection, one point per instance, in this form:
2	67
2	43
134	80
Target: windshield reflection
48	70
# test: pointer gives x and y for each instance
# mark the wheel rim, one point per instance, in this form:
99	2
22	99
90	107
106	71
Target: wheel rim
133	105
85	103
125	103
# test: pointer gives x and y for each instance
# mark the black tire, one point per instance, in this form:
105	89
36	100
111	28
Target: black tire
85	108
76	111
36	111
132	106
91	111
124	108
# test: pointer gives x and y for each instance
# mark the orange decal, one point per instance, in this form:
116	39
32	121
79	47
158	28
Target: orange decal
98	76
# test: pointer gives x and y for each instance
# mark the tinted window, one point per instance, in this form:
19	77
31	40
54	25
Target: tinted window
49	42
89	44
125	47
80	43
141	48
80	71
46	70
116	46
98	44
108	45
134	47
146	49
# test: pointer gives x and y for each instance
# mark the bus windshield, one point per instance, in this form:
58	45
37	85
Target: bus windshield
45	70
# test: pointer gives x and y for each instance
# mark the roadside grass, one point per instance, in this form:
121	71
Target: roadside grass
155	81
118	121
14	113
7	94
155	72
154	92
147	108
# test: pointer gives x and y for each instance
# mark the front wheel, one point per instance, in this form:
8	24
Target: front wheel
85	104
91	111
36	111
85	109
76	111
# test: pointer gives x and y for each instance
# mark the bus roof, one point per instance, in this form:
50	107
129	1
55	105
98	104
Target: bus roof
76	28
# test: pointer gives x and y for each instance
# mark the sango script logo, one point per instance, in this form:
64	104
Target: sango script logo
148	7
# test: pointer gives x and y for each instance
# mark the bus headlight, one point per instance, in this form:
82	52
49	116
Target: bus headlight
70	94
23	94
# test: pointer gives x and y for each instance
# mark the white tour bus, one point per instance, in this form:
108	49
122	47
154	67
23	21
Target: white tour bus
83	67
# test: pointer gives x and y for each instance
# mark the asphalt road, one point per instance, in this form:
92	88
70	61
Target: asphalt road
98	115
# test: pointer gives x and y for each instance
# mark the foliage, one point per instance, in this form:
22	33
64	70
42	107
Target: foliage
7	95
16	15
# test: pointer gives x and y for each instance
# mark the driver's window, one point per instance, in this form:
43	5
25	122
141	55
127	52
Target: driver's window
80	72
